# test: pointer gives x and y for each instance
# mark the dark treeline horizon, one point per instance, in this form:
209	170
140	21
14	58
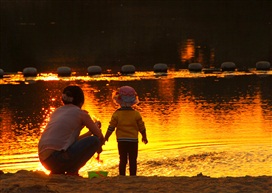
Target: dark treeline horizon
51	33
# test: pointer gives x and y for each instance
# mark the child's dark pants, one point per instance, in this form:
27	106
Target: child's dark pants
128	151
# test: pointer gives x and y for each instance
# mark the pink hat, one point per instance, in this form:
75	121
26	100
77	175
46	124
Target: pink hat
125	96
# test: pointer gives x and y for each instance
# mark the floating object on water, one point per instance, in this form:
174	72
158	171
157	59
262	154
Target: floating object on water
1	73
128	69
263	65
64	71
30	72
97	174
228	66
160	67
195	67
94	70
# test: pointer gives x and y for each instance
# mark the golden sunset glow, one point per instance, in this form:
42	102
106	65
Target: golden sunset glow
183	124
202	71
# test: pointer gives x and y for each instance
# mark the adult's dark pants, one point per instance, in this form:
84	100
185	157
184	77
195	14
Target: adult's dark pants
75	157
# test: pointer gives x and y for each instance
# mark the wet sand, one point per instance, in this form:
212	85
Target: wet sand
38	182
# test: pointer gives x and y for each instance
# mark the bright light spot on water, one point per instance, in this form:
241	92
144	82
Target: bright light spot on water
220	130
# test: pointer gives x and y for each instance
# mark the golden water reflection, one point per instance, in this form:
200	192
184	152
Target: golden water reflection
187	51
190	51
215	125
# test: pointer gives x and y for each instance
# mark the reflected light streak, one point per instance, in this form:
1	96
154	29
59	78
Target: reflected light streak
19	78
184	127
6	122
220	125
166	89
91	103
187	50
46	115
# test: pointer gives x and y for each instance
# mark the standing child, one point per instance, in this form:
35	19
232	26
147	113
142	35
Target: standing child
61	149
128	123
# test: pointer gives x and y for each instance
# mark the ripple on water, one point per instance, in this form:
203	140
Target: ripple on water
215	164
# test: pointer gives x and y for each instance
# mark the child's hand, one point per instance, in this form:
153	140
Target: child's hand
144	139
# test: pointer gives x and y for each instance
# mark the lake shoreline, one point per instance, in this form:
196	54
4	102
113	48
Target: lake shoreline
30	181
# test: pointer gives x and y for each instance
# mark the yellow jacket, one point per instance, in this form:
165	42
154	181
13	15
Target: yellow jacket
128	123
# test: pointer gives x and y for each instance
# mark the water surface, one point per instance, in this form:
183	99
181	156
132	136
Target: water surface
219	124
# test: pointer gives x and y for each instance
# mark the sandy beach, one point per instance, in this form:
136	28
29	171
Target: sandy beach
38	182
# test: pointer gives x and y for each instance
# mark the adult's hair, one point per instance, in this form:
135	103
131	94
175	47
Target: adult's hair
73	95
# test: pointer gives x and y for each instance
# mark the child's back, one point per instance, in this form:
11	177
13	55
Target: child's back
128	123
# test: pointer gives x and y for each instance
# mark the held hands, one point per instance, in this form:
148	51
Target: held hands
107	136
